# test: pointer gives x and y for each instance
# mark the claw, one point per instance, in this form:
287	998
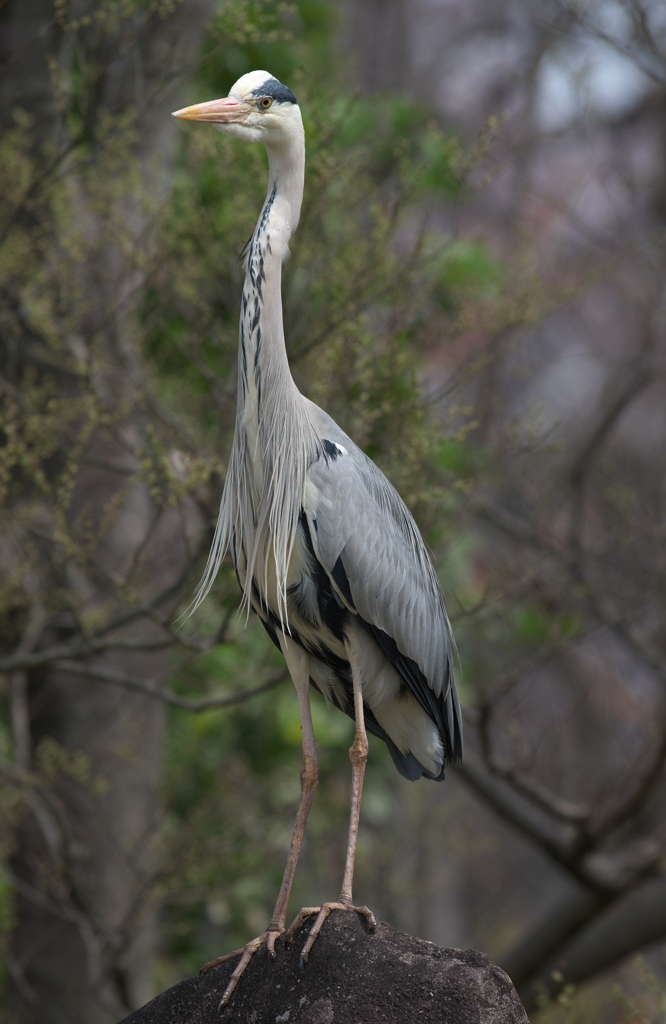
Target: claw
322	913
271	934
246	955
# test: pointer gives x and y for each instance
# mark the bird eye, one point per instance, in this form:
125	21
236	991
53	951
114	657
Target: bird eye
265	102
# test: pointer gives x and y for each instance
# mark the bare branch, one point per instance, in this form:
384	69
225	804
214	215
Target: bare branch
633	801
636	384
543	798
559	840
152	687
553	930
20	710
602	939
19	978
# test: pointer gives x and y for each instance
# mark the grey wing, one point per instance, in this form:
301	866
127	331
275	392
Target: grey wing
371	549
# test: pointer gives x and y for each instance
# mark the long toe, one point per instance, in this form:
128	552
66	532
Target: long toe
322	913
246	955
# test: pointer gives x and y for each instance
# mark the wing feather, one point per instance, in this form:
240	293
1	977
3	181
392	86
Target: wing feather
367	542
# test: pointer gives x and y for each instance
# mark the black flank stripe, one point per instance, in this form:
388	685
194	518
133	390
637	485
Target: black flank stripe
411	674
333	613
407	667
340	578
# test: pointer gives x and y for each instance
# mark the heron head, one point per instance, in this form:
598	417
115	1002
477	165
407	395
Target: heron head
258	108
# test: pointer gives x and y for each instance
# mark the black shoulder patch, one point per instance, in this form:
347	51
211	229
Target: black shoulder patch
331	450
276	90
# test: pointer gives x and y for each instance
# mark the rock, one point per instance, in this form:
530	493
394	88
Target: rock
352	977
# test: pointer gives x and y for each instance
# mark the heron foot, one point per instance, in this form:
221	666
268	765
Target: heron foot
245	954
322	913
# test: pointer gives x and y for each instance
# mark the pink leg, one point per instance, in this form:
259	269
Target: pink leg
358	755
297	663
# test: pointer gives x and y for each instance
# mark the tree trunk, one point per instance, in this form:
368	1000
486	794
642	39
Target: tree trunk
86	859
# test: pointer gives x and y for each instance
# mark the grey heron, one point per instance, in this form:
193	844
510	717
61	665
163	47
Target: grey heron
325	551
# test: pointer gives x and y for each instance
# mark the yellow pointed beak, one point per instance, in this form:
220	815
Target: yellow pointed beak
225	111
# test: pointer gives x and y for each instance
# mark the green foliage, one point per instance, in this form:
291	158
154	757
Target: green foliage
467	266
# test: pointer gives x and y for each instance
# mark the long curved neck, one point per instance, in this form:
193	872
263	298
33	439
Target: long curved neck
265	383
275	439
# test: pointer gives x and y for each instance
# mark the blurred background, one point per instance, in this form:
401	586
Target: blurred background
476	294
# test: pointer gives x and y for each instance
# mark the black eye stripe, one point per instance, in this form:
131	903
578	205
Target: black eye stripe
275	90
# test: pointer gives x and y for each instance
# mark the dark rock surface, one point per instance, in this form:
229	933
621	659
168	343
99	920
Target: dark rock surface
352	977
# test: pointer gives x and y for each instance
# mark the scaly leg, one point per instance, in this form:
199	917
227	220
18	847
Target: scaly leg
297	663
358	755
